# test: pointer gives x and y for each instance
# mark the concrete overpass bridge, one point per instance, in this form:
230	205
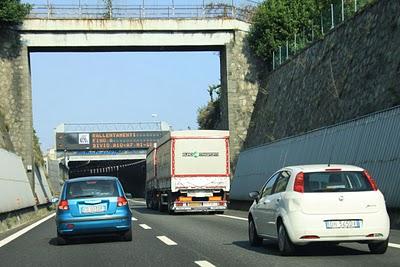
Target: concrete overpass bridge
222	29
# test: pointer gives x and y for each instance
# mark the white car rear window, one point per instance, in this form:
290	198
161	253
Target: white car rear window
336	182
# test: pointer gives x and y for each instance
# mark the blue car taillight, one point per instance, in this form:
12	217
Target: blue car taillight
63	205
122	201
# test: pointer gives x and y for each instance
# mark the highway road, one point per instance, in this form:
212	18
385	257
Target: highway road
160	239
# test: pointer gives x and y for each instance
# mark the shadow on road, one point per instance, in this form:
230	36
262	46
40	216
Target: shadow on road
87	240
317	250
268	247
144	210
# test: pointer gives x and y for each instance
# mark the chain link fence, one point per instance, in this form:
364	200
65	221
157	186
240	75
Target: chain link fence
335	14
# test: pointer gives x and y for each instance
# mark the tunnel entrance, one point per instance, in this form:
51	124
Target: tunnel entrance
131	173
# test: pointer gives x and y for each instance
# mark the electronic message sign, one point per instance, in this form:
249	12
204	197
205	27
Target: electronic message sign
107	140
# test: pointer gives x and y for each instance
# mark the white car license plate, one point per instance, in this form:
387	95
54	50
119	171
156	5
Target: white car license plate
93	209
339	224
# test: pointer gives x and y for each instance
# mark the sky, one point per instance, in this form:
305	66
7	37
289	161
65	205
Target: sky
119	87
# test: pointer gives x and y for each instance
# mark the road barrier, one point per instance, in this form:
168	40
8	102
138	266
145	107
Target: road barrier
371	142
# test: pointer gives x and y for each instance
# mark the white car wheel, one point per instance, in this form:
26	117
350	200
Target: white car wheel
285	245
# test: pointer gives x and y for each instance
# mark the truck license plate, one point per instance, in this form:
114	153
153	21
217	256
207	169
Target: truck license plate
343	224
93	209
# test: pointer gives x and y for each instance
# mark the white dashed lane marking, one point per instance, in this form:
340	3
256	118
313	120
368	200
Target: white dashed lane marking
232	217
204	264
166	240
134	219
145	226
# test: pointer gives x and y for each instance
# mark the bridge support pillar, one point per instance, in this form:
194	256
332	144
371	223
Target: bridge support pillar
239	88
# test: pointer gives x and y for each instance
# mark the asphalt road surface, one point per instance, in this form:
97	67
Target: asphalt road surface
160	239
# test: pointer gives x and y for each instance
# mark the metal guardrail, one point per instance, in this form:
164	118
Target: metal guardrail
140	12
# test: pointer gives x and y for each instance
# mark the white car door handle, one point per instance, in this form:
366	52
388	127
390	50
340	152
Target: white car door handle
266	201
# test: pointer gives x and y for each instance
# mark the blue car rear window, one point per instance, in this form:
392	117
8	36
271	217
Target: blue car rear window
92	188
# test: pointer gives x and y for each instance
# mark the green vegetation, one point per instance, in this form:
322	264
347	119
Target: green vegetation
297	21
13	11
37	152
275	21
209	116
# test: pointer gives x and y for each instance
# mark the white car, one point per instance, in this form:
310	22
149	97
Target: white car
299	205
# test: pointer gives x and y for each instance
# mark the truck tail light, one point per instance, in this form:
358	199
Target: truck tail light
370	180
122	201
299	183
63	205
215	198
185	199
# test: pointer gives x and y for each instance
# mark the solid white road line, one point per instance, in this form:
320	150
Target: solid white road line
204	264
393	245
232	217
7	240
145	226
134	219
166	240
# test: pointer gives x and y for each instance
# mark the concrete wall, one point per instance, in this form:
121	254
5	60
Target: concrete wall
355	70
15	190
15	97
344	143
55	177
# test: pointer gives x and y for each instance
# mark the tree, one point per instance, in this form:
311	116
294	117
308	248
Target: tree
209	116
37	152
214	88
275	21
13	11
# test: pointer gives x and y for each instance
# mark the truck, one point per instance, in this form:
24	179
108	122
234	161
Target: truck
189	171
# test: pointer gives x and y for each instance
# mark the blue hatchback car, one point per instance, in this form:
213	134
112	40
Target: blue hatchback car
93	205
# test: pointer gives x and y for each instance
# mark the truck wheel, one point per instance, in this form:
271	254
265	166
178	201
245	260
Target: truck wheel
161	207
378	248
170	210
148	203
